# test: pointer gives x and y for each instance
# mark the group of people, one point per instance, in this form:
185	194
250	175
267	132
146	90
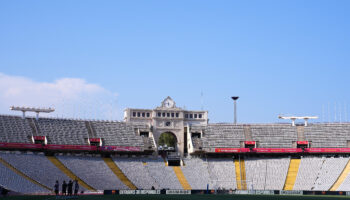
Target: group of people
67	188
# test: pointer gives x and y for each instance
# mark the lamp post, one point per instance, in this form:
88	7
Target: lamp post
235	108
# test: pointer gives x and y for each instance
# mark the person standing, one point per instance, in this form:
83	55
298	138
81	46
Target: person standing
64	188
76	187
70	188
57	187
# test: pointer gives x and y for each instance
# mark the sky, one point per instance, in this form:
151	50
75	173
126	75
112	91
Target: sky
92	59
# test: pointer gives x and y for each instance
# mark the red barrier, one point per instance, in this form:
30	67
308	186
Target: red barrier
94	139
70	147
303	142
277	150
232	150
249	142
4	145
19	146
119	148
282	150
327	150
40	138
258	150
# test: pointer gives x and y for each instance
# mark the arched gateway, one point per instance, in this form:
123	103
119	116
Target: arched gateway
167	142
167	118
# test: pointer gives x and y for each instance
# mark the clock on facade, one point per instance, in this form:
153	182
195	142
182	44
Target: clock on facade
169	103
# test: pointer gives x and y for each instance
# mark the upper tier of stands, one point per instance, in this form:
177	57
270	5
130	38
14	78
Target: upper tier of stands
274	135
14	129
332	135
223	135
328	135
63	131
266	135
117	133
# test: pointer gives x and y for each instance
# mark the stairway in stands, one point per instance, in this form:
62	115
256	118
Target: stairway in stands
181	177
247	133
33	125
341	177
240	174
292	174
90	129
69	173
118	172
8	165
301	135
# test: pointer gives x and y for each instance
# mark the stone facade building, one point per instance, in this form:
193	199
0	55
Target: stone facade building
168	118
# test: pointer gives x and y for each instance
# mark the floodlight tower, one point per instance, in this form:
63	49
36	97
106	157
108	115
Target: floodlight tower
235	108
28	109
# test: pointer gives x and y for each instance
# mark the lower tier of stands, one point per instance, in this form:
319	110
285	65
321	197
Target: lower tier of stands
37	173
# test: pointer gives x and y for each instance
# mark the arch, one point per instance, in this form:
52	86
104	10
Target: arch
168	139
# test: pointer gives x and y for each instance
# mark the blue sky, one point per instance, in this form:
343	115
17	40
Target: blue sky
288	57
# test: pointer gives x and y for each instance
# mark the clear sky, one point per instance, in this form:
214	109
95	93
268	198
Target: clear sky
288	57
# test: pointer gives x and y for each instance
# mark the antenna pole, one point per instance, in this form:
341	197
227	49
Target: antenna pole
335	111
340	110
323	119
202	100
345	112
328	114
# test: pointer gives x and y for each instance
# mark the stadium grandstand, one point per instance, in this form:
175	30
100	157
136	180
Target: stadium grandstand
169	148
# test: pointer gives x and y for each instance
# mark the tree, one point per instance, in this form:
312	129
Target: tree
167	138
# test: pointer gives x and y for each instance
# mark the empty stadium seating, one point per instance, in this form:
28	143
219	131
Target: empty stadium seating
196	173
197	142
266	135
308	171
266	173
14	129
328	135
36	166
15	182
222	173
75	132
329	172
117	133
63	131
274	135
345	185
136	171
223	135
29	172
93	171
163	175
262	173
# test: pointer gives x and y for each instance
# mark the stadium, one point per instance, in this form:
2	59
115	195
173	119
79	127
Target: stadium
169	152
